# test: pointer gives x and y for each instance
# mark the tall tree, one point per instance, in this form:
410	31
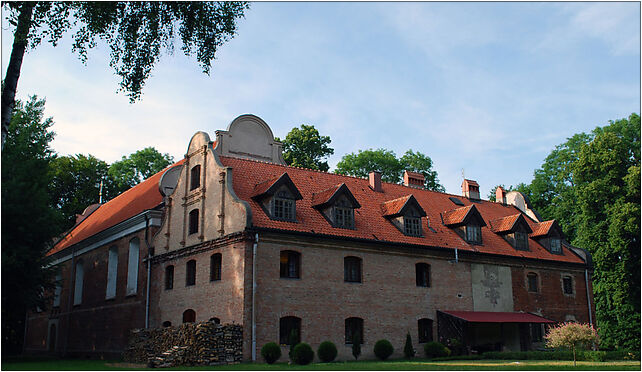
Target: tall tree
607	181
29	223
138	33
132	170
306	148
391	168
75	184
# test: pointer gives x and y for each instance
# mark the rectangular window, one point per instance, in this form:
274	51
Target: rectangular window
132	266
215	267
289	267
473	233
344	217
169	277
556	245
352	269
195	177
423	274
57	291
567	282
289	330
193	221
190	274
532	282
425	330
284	209
354	329
521	240
412	226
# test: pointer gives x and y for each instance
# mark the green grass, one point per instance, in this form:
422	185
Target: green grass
368	365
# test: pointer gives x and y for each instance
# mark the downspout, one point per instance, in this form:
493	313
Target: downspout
256	242
149	270
456	256
588	297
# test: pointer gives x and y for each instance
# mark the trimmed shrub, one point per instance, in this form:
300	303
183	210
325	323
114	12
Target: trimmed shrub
408	350
383	349
271	352
435	350
302	354
327	351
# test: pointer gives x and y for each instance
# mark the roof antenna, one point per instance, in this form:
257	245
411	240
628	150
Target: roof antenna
100	191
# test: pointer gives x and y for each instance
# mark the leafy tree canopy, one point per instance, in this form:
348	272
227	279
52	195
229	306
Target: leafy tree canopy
28	221
138	166
305	147
137	33
391	168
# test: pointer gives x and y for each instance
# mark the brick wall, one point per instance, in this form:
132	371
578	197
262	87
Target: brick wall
388	299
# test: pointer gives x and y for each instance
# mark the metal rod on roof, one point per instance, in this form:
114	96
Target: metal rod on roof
100	191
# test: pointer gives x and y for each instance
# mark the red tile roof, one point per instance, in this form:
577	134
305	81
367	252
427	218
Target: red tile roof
497	317
542	228
392	207
324	196
370	222
455	216
504	224
139	198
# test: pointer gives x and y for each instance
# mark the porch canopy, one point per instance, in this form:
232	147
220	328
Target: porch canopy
497	317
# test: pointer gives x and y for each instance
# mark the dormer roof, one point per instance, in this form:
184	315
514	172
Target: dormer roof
271	186
509	224
399	206
463	216
546	228
329	196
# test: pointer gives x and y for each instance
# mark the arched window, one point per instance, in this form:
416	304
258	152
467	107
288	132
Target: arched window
532	282
190	273
193	221
112	271
423	274
169	277
352	269
354	327
215	320
290	264
78	283
215	267
167	323
289	330
132	266
195	177
189	316
424	326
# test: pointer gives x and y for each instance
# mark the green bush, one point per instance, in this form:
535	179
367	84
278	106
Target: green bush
271	352
383	349
408	350
594	356
435	350
302	354
327	351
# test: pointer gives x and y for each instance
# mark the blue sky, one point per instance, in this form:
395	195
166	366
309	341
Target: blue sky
487	87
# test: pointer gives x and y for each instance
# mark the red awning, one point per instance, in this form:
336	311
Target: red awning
497	317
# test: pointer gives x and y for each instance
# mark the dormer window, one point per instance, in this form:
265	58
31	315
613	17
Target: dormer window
337	205
412	225
278	198
344	214
405	213
556	245
283	206
521	240
473	234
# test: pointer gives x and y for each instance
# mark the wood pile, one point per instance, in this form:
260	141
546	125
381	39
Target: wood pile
190	344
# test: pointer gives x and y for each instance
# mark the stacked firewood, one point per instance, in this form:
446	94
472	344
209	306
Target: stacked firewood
204	343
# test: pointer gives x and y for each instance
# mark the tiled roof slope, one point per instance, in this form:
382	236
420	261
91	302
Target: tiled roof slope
139	198
542	228
504	224
455	216
369	221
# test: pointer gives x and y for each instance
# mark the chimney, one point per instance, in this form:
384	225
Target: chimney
470	189
413	179
500	195
374	179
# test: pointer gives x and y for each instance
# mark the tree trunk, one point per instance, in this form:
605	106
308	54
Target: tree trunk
574	359
15	63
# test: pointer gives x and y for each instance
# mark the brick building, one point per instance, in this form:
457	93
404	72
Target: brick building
231	234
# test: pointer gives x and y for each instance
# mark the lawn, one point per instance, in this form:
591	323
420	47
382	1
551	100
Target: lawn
23	364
